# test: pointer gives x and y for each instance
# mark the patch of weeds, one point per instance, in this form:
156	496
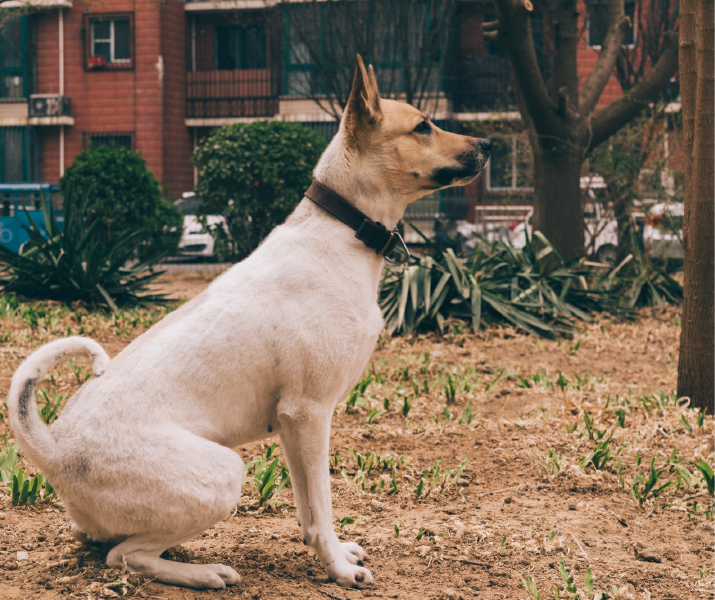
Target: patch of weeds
707	473
80	372
500	374
549	464
49	411
621	417
467	414
356	397
23	489
373	415
397	530
450	389
347	521
644	485
502	549
674	466
593	433
406	406
268	476
541	377
599	457
523	383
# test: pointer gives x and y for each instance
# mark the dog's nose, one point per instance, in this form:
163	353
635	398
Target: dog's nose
486	146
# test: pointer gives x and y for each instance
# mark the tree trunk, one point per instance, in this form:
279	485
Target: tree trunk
697	65
622	212
558	213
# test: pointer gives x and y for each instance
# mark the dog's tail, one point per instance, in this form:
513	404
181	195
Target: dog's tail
32	434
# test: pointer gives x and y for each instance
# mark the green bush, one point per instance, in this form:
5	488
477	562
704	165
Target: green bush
77	263
124	196
254	175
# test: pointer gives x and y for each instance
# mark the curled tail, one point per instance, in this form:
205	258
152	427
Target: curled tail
32	434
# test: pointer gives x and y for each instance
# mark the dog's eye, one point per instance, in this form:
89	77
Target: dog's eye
423	127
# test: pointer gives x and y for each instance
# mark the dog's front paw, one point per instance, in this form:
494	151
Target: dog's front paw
354	553
351	576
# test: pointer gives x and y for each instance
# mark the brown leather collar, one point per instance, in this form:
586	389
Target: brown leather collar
373	234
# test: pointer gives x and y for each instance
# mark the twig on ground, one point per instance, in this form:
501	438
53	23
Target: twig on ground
474	562
330	593
579	545
514	487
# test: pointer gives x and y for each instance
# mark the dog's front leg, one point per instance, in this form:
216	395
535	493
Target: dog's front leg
305	437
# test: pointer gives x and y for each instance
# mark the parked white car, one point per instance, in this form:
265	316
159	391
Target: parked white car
663	230
196	242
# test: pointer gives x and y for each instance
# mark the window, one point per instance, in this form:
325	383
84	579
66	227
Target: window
125	139
241	47
14	58
15	155
110	42
511	165
598	22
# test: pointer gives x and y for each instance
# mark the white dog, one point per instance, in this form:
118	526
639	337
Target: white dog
141	456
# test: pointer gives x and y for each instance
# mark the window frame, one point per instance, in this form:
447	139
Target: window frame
588	24
90	19
87	137
514	168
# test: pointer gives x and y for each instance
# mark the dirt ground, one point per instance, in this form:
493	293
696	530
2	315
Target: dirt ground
526	497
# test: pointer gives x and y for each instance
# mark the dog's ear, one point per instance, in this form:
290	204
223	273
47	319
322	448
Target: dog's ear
363	111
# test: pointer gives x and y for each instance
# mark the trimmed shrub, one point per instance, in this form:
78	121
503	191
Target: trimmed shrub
124	196
254	175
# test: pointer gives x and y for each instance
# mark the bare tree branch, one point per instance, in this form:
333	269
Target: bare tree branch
591	90
606	122
565	32
407	37
513	31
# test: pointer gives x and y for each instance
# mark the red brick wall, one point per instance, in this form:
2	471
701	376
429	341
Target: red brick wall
178	173
148	99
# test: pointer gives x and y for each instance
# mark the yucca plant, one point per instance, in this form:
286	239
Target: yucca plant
640	282
532	288
75	263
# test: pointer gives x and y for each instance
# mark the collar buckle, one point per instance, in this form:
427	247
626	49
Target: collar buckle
395	239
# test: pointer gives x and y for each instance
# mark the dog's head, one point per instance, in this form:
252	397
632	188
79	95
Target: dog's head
399	147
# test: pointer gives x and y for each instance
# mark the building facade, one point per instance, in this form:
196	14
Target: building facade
158	75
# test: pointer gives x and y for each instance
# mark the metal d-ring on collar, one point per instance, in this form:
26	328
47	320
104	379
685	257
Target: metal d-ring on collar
373	234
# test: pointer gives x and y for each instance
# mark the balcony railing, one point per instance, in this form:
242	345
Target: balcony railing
226	94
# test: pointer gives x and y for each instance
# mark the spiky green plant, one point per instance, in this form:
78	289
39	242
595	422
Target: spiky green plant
533	288
74	262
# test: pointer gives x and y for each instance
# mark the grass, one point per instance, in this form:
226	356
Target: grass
23	488
266	475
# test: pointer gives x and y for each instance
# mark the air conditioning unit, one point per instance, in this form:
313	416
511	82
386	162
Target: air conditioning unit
50	105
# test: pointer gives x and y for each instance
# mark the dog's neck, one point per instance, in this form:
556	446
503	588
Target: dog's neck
340	170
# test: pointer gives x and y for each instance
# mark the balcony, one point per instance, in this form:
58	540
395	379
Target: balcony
236	94
220	5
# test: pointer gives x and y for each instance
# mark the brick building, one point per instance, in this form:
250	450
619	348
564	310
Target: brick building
157	75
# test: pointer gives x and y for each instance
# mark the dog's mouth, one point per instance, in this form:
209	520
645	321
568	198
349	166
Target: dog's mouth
470	164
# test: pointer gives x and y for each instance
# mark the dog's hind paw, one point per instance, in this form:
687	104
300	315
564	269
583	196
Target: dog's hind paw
354	553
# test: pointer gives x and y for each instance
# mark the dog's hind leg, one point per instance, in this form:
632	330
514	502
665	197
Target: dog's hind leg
305	438
186	484
141	553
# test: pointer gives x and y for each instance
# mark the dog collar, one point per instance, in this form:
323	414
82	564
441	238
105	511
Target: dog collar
373	234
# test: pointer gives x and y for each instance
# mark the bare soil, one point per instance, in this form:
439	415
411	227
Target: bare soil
511	513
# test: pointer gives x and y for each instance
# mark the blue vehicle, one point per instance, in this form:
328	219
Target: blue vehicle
17	201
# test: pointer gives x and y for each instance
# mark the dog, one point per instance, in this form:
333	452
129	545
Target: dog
141	455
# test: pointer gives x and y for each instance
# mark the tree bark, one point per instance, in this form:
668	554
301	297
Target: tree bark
558	213
697	65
